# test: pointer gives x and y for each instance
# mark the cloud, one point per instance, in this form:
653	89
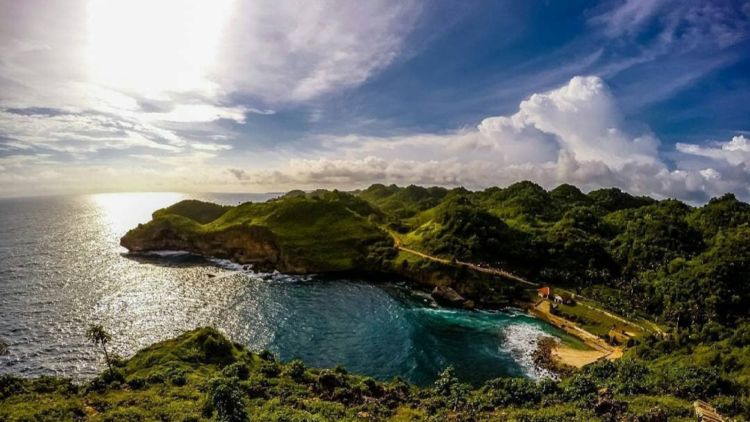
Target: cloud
572	134
717	23
296	51
734	152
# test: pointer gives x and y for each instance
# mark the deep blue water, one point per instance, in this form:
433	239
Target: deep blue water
61	268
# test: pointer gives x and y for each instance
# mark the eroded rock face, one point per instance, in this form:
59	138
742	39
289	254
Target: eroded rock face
446	296
244	244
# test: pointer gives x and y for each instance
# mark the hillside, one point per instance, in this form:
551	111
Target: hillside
325	231
673	262
678	273
201	375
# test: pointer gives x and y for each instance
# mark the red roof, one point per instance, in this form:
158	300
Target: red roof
545	291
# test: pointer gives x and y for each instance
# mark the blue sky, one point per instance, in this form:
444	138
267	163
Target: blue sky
651	96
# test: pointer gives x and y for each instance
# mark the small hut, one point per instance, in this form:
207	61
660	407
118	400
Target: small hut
544	292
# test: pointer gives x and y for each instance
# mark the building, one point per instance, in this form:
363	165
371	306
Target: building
544	292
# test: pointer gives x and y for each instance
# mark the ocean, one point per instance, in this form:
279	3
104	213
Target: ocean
61	269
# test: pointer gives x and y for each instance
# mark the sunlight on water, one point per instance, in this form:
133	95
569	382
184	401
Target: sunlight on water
62	268
120	212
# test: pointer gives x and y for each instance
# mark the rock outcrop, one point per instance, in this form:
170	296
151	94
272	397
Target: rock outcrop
446	296
244	244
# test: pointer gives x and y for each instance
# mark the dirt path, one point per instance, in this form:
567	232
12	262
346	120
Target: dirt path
489	270
567	355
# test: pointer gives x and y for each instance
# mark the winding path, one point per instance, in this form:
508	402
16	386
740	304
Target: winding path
489	270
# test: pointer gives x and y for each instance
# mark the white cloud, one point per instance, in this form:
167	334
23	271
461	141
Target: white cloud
85	76
295	51
734	152
573	134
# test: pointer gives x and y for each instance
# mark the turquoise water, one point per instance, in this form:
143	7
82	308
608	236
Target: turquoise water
61	268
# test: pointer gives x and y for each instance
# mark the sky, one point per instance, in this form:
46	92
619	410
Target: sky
652	96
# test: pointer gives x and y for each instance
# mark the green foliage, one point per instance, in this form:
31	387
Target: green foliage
219	390
613	199
226	398
198	211
320	231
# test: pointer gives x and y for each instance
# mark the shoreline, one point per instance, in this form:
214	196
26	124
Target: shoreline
562	353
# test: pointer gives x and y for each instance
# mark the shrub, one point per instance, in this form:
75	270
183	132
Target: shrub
448	387
156	377
136	383
237	370
177	376
10	385
328	380
295	369
266	355
581	387
270	369
225	396
691	382
216	348
508	391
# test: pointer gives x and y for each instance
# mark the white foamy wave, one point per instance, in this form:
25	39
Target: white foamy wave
522	340
167	253
229	265
277	277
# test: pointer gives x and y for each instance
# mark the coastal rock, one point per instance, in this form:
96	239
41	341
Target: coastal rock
244	245
446	296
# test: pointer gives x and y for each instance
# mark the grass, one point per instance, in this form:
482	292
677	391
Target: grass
314	233
592	320
177	380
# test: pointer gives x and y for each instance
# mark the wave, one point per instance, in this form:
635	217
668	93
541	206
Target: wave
522	340
167	253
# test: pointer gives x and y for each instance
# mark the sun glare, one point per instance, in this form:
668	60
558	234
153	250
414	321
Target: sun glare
120	212
149	48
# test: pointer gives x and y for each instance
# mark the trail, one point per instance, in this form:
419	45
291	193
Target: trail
489	270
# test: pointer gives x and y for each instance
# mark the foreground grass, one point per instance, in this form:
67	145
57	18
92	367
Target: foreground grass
201	375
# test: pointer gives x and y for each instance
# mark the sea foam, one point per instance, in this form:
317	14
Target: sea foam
522	340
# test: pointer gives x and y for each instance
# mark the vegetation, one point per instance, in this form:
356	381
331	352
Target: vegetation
97	335
678	272
317	232
201	375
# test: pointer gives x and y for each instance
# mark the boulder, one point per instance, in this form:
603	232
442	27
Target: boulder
446	296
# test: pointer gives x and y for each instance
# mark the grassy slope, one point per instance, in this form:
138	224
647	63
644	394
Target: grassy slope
177	380
322	233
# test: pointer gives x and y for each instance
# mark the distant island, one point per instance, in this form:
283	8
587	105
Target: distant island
658	290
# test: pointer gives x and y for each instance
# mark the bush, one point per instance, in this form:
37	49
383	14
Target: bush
691	382
225	397
216	348
136	383
270	369
266	355
177	376
328	380
10	385
448	387
295	369
155	378
237	370
581	387
511	391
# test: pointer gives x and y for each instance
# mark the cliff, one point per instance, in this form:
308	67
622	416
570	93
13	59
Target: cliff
294	234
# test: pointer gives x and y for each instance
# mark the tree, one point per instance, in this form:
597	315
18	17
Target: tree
100	337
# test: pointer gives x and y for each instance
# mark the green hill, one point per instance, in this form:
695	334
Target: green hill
202	376
329	231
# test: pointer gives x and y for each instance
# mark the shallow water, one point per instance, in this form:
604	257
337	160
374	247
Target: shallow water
61	268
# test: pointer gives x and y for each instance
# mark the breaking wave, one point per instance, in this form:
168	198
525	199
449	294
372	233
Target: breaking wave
521	340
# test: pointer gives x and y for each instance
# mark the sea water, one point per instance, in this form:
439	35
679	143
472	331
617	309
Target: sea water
61	269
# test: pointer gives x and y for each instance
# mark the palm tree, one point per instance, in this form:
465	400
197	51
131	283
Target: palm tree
100	337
